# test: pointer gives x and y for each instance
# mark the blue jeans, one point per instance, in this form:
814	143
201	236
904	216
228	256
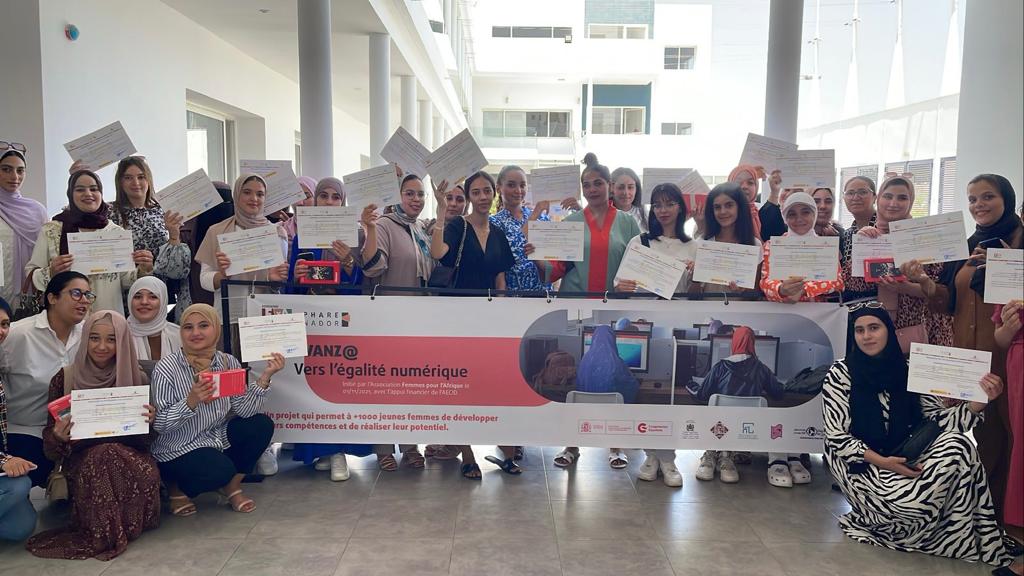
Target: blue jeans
17	516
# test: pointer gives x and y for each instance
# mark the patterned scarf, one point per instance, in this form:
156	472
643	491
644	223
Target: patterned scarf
424	263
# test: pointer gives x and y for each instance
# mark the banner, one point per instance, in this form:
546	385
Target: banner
448	370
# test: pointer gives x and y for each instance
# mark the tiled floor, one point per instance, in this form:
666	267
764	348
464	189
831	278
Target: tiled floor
586	521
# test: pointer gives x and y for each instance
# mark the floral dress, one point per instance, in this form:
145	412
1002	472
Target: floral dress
523	276
171	262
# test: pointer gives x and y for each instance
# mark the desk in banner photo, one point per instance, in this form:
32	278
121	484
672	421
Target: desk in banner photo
385	370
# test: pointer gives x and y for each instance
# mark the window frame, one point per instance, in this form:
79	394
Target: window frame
692	58
526	112
622	30
230	161
622	119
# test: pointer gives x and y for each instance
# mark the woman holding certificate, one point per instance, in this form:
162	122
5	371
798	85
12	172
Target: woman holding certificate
665	222
904	494
21	219
113	483
205	441
800	213
86	212
859	197
511	219
728	219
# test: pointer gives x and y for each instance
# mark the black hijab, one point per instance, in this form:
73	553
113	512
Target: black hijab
872	375
1003	228
72	219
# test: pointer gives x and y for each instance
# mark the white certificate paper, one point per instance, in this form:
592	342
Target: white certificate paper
810	257
764	151
283	188
102	251
108	412
190	196
864	248
1004	275
101	148
556	240
948	372
456	159
251	250
808	169
261	336
651	177
724	262
319	226
932	239
652	271
554	184
379	185
406	151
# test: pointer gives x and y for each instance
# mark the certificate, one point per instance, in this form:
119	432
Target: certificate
651	177
764	151
250	250
102	147
102	251
724	262
190	196
261	336
406	151
456	159
948	372
378	186
808	169
319	226
865	248
939	238
652	271
554	184
556	240
107	412
1004	275
809	257
695	190
283	188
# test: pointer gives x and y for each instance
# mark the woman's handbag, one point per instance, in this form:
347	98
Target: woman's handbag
443	276
920	438
29	302
57	484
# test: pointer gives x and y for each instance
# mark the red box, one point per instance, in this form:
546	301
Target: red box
877	268
228	383
322	272
60	407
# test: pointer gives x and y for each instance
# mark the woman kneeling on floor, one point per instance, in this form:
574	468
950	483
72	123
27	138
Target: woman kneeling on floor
200	448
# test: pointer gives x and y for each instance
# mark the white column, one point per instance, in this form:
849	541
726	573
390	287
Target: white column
990	126
782	90
409	104
448	133
426	133
438	130
315	96
380	95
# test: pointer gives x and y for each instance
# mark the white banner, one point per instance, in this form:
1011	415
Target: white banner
467	370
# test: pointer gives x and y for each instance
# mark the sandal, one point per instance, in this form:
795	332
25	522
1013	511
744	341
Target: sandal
244	505
617	460
508	466
518	453
413	459
188	508
387	462
567	457
471	471
446	452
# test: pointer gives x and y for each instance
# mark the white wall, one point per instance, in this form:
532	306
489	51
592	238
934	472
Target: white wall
21	107
134	61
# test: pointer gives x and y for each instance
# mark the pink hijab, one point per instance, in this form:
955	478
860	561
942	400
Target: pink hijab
124	371
757	172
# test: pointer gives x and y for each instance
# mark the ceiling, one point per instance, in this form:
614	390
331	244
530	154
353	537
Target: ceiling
272	39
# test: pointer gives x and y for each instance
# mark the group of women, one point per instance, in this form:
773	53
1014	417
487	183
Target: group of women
957	502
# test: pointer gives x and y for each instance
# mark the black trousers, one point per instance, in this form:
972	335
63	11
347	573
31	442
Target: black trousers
208	469
31	448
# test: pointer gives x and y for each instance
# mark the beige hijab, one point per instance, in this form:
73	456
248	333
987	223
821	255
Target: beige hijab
200	359
124	371
207	253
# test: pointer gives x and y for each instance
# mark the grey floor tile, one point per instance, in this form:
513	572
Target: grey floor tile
419	556
599	485
589	520
497	520
698	521
407	519
404	484
16	561
613	558
309	484
855	558
721	559
475	555
332	518
156	555
282	556
779	524
212	520
498	486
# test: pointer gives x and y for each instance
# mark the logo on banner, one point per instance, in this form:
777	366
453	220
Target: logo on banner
585	427
654	428
810	433
776	431
719	430
690	430
747	431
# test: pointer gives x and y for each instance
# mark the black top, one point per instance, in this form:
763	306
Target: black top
772	222
478	268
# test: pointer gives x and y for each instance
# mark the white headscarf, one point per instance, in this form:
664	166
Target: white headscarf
795	199
170	336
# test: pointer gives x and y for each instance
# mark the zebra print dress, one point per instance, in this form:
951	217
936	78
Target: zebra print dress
947	511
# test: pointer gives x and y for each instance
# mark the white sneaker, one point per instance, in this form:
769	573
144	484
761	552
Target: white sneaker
800	474
267	464
323	464
779	475
670	474
727	468
339	468
706	468
649	469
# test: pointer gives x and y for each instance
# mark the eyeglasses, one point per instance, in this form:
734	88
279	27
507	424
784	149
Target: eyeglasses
16	146
907	175
859	192
873	304
77	294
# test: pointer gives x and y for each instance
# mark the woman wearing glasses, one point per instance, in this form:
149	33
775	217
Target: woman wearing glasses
86	212
859	197
20	221
37	347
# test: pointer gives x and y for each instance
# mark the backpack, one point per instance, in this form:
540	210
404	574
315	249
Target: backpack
559	372
809	380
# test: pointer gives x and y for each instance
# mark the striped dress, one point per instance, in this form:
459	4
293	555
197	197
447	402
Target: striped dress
946	511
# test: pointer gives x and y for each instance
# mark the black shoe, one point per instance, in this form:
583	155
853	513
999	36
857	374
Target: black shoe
1013	547
1004	571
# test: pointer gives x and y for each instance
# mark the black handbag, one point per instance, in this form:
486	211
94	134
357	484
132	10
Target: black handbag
920	438
443	276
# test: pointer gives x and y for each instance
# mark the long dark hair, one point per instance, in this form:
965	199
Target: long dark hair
638	199
744	222
58	283
671	193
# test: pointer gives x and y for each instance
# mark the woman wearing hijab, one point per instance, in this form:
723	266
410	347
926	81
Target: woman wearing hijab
939	504
207	443
21	219
288	221
154	337
768	220
114	484
800	213
961	292
86	212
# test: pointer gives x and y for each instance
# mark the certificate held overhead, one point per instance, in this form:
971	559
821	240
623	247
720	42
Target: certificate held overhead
101	148
456	159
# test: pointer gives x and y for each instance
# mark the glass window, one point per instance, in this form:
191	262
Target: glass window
494	124
605	31
607	120
679	58
437	26
671	58
559	125
560	32
501	31
633	120
531	32
686	58
515	123
537	124
684	129
636	32
206	144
